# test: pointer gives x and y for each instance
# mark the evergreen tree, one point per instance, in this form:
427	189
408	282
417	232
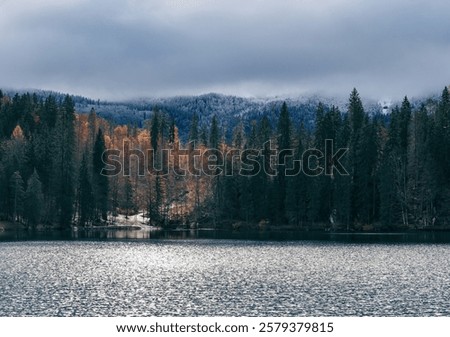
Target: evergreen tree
86	200
214	140
17	195
366	197
155	205
50	112
128	197
342	197
263	197
357	119
3	190
100	181
297	185
234	185
389	205
64	186
284	128
9	117
34	199
92	129
323	187
204	136
172	131
404	119
356	114
422	182
284	144
239	136
441	147
194	131
155	131
214	134
155	202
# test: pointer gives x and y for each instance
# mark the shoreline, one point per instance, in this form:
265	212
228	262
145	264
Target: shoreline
7	226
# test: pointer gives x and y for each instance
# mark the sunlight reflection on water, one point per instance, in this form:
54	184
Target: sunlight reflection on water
223	277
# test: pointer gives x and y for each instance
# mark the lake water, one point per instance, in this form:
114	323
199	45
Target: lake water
223	277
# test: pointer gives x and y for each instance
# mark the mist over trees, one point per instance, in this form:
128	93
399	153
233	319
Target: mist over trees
51	159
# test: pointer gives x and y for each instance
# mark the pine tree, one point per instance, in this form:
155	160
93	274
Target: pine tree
34	200
3	189
441	147
86	200
214	139
128	199
92	129
172	131
284	143
422	183
389	204
204	136
297	188
234	185
50	112
100	181
155	201
214	134
264	200
17	195
193	131
155	131
405	117
367	191
342	197
63	150
357	119
284	128
323	187
356	113
239	136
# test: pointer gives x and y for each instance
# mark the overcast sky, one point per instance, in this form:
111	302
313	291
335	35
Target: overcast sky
116	49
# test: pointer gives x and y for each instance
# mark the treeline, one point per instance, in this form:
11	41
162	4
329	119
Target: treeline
398	165
39	158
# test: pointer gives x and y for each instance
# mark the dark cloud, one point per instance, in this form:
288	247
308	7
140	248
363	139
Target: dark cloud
122	49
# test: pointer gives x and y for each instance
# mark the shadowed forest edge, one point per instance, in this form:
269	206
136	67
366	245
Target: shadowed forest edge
398	164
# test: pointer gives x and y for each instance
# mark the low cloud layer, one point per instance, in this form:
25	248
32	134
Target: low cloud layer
123	49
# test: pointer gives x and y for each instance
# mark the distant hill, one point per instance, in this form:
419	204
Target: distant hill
230	110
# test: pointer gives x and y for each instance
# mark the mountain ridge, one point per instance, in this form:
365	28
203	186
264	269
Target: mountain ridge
229	109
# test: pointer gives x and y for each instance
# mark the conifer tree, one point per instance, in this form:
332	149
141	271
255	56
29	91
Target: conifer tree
441	150
100	181
86	200
214	134
265	205
357	119
3	189
50	112
194	131
128	197
342	197
422	183
284	144
17	195
172	128
34	199
63	170
297	185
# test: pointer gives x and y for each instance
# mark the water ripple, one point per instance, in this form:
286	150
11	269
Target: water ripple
213	278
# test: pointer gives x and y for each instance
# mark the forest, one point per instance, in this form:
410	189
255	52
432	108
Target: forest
52	160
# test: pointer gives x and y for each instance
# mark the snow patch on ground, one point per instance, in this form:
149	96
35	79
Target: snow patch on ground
137	220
